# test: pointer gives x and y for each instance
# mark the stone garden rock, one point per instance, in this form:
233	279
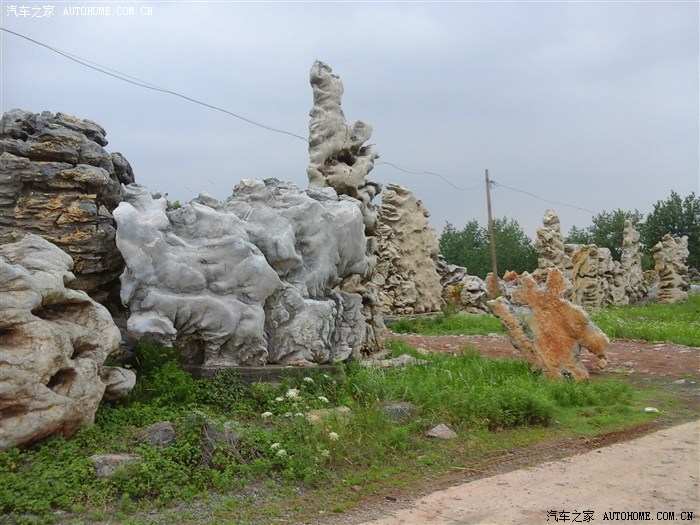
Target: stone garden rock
54	342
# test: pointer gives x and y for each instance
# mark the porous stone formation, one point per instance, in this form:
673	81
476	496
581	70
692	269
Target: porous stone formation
549	330
257	279
550	246
340	160
466	292
670	255
631	263
57	181
597	280
406	271
53	341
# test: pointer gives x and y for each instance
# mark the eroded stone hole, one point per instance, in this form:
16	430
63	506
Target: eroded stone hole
61	379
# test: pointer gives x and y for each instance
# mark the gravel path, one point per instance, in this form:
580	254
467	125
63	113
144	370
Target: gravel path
658	473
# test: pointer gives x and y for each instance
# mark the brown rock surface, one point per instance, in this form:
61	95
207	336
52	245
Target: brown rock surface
58	182
556	328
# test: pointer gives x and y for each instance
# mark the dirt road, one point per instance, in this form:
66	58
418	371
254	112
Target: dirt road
656	474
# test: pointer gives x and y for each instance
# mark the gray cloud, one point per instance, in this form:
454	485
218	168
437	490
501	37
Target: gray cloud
592	104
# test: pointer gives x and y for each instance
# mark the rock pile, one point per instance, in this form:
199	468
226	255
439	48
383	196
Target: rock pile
54	342
467	292
406	270
670	255
58	182
592	278
340	160
256	279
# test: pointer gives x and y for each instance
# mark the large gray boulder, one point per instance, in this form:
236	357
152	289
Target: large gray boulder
57	181
54	341
254	280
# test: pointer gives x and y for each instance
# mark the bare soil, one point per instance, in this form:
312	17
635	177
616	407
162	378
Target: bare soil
653	467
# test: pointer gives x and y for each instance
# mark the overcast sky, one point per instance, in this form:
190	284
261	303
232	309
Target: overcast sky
592	104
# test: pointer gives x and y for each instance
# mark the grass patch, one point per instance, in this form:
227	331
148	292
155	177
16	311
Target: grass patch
265	439
676	323
450	324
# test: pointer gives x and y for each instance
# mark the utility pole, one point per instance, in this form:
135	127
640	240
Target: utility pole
493	285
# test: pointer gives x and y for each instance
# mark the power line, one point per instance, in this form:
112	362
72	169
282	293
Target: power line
147	85
444	179
498	184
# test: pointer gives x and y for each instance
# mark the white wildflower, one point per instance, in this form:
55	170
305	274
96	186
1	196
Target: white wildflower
326	453
275	446
265	415
323	399
292	393
288	414
281	452
299	414
309	380
279	398
333	436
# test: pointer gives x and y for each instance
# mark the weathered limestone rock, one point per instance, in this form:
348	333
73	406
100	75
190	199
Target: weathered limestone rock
549	330
670	255
586	291
468	292
408	249
631	262
340	160
58	182
54	342
550	246
253	280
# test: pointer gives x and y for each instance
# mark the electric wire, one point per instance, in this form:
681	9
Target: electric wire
442	177
137	82
147	85
498	184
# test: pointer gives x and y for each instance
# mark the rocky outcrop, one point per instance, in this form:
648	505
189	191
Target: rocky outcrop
593	278
670	255
467	293
548	329
256	279
597	280
550	246
340	160
54	342
408	249
631	263
58	182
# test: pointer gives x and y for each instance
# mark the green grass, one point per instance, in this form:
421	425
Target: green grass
492	404
452	324
677	323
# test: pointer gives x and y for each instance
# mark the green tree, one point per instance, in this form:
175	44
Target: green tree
514	249
678	217
607	229
469	247
578	236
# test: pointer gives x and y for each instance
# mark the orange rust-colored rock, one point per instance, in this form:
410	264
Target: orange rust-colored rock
549	330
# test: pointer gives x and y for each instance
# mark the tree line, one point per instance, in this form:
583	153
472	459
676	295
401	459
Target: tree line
469	247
